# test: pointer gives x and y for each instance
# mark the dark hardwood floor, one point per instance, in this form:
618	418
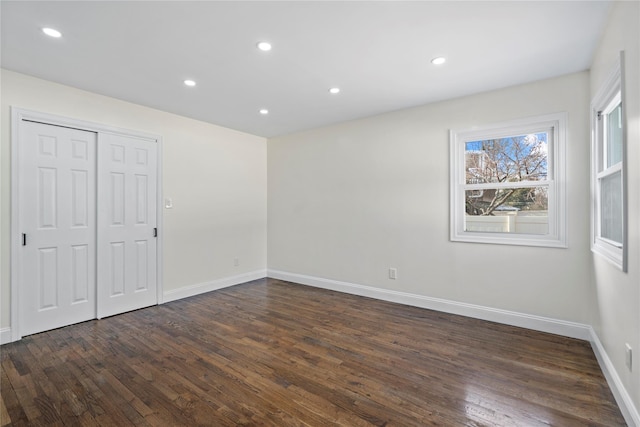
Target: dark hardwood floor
272	353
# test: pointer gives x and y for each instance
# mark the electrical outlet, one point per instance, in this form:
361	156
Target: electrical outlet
628	356
236	262
393	273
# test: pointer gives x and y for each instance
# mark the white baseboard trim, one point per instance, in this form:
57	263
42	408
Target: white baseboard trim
627	407
201	288
5	336
537	323
176	294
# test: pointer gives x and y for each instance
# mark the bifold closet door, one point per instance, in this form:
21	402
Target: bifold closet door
57	209
127	183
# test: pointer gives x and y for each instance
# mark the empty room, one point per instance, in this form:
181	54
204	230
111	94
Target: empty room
316	213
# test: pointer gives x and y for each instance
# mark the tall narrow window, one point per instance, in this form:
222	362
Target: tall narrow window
507	183
608	153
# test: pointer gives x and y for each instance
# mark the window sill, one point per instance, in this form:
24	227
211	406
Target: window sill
512	239
612	254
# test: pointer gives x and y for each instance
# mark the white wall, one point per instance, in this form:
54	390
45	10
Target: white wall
346	202
616	318
216	177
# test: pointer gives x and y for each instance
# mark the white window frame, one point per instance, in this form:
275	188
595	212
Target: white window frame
556	125
610	95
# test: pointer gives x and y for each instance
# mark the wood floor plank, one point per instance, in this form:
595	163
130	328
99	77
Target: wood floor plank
4	413
273	353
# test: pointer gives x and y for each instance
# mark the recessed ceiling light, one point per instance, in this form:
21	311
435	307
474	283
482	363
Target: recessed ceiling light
264	46
334	90
264	111
439	60
189	83
51	32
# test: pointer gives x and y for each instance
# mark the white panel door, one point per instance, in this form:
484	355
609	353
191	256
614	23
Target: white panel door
127	172
57	215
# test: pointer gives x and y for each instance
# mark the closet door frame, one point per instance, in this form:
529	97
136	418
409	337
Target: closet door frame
18	116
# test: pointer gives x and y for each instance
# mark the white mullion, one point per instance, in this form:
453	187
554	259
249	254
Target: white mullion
610	242
506	185
609	171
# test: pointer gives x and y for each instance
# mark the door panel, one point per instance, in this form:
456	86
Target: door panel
80	274
57	208
127	176
79	198
142	265
47	278
47	197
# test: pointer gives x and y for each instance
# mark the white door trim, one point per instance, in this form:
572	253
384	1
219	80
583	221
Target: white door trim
17	116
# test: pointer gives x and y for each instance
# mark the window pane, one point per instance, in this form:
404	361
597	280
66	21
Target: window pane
512	210
611	207
511	159
614	136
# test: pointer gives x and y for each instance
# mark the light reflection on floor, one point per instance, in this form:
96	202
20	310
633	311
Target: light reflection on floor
485	407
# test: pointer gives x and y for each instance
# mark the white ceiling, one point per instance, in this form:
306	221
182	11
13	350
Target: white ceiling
378	53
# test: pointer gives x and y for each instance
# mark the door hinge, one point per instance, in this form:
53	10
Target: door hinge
24	239
155	232
599	115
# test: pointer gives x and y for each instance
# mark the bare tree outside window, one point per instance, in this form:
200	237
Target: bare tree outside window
508	182
521	158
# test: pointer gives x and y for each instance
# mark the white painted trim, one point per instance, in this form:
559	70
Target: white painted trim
17	116
624	400
201	288
613	87
522	320
538	323
53	119
15	224
6	336
159	224
543	324
558	208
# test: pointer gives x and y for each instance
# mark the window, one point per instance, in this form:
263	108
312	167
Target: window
507	183
608	153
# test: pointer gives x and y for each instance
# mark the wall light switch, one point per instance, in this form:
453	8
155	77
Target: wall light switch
168	203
